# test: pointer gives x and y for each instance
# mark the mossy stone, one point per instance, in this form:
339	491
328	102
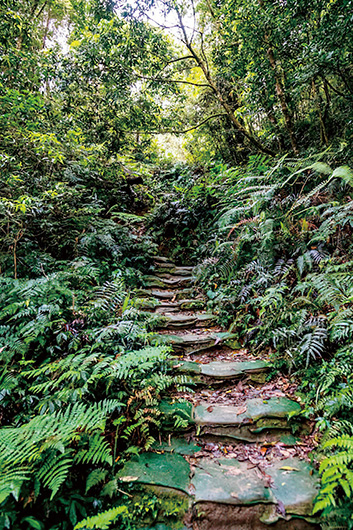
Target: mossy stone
168	470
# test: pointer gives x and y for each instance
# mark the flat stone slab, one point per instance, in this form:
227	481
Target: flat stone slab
230	482
175	281
163	259
166	306
251	412
179	446
182	321
168	470
164	293
193	342
294	484
168	272
224	369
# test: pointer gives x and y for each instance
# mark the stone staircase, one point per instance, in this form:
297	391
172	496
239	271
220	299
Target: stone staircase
229	455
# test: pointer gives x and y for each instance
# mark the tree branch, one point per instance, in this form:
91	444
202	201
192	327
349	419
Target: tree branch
173	131
335	89
161	80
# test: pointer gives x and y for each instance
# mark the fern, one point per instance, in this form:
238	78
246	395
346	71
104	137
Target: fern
103	520
336	473
43	446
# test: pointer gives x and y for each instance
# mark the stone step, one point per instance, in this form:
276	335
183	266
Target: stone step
284	491
180	305
192	343
165	283
165	272
166	294
249	414
183	321
257	420
222	370
225	488
164	306
162	259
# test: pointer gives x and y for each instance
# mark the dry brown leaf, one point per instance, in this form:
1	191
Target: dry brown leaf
234	471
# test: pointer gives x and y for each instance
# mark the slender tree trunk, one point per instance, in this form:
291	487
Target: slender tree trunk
46	29
323	133
282	97
271	116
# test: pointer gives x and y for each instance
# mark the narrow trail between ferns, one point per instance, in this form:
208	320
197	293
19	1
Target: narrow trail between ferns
233	449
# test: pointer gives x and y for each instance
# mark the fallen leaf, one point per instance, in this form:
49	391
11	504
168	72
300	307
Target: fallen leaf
289	468
234	471
209	409
241	410
281	508
234	495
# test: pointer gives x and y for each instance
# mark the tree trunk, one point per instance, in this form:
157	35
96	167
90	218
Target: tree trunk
205	70
282	97
323	133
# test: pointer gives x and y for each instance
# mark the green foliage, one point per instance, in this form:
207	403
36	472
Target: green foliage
336	476
43	447
280	276
103	520
81	381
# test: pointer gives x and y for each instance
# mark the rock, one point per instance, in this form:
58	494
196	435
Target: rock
184	321
175	281
193	342
253	410
168	470
179	446
228	481
252	422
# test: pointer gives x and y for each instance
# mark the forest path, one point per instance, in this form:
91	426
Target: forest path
229	457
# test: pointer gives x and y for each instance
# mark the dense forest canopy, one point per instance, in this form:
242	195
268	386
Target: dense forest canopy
258	97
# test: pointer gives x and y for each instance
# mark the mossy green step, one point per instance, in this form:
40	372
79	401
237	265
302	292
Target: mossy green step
163	259
252	411
223	369
175	281
194	342
171	272
183	321
227	481
179	305
166	294
179	446
257	420
169	470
